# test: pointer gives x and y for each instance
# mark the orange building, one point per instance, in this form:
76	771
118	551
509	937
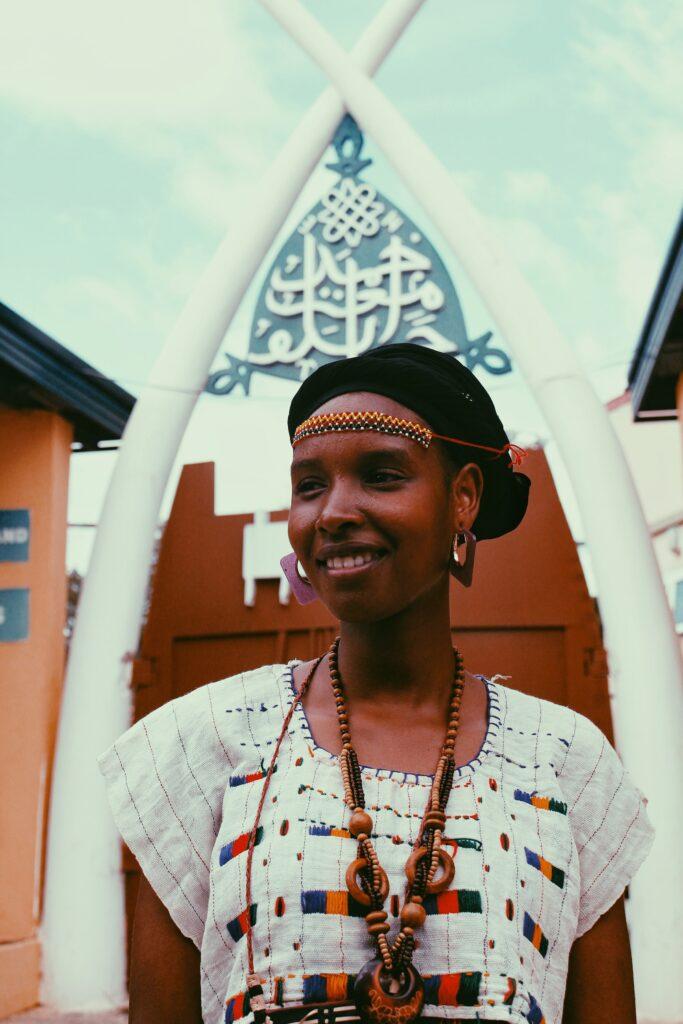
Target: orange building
51	403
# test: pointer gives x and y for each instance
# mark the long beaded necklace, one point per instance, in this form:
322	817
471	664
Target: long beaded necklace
388	988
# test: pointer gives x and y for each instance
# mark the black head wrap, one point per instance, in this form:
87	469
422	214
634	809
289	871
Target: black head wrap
449	398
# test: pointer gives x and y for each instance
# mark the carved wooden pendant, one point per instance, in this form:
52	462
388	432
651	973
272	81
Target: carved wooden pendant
381	998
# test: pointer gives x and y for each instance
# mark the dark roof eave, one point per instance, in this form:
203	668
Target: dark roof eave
98	408
654	334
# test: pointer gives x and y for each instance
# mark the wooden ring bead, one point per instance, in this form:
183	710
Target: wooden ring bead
358	894
434	885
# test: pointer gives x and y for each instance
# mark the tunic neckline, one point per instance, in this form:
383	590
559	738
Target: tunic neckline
404	778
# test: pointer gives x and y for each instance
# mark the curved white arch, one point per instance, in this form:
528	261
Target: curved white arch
84	922
640	637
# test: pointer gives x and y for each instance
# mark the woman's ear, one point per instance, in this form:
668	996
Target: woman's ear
467	487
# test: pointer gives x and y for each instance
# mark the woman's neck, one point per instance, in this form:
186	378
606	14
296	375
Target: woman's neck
401	659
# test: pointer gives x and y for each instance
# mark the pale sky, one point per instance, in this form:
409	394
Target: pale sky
129	133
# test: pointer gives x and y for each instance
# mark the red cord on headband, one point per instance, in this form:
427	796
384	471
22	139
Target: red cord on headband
517	453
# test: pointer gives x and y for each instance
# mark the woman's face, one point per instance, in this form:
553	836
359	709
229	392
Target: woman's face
373	516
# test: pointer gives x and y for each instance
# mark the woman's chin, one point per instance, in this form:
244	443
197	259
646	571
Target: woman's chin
358	607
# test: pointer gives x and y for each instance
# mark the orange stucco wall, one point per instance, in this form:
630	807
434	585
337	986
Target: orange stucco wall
34	473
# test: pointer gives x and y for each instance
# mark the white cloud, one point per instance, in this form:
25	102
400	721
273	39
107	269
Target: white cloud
468	181
632	70
632	255
530	187
181	83
210	192
639	47
128	66
109	297
659	163
532	249
632	75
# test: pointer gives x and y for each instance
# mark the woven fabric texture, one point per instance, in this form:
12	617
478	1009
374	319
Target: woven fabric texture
545	825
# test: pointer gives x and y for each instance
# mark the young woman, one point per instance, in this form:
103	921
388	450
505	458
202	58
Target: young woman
381	834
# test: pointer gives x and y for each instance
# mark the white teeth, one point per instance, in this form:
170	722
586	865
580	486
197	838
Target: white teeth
350	561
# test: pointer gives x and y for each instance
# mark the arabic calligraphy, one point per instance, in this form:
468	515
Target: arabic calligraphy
354	274
328	298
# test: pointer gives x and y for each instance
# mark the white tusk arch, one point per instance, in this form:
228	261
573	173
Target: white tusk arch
84	922
645	663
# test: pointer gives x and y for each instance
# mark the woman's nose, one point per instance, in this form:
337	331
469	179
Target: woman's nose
340	509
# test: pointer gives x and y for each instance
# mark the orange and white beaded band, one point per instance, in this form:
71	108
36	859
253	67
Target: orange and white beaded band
331	422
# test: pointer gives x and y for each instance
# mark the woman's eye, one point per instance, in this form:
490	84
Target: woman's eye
375	477
307	486
384	476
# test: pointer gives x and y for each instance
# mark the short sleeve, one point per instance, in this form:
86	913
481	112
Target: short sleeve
611	827
165	778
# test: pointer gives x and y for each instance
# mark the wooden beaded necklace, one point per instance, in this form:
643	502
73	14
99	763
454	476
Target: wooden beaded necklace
388	988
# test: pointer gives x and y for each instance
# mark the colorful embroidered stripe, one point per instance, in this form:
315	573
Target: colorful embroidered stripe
556	875
533	933
236	1007
318	901
278	991
510	992
329	830
463	843
454	901
238	926
327	988
239	780
453	989
543	803
535	1014
238	845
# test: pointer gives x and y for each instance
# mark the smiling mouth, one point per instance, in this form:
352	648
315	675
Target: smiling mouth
344	564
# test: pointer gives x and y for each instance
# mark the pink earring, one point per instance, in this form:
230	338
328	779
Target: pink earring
301	588
463	570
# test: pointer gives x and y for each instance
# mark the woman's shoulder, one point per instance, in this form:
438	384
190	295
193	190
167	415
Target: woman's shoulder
234	693
529	715
166	778
208	722
237	692
540	728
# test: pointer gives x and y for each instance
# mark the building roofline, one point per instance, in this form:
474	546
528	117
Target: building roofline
40	373
657	321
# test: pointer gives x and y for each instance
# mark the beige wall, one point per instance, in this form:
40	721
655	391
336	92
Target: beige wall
34	473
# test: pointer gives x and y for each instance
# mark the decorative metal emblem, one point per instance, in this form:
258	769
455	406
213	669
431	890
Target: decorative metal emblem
356	273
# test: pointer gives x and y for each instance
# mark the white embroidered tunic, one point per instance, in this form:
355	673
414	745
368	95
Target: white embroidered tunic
545	826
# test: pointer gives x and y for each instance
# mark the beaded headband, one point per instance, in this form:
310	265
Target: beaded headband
333	422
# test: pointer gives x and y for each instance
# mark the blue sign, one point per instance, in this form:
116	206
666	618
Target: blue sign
14	534
356	273
14	614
